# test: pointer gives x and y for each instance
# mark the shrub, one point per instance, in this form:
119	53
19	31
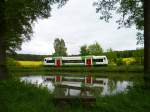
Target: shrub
128	61
119	61
12	62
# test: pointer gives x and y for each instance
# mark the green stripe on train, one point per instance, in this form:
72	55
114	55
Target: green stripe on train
94	62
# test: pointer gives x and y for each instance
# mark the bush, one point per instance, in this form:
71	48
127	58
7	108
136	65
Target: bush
12	62
128	61
119	61
139	60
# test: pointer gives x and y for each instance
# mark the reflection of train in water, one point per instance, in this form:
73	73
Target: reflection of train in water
77	86
78	60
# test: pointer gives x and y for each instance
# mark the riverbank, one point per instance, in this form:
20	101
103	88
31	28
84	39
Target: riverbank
17	96
76	69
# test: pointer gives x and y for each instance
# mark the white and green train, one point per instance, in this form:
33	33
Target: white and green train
78	60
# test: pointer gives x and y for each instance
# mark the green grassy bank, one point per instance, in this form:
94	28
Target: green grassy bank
36	67
17	96
77	69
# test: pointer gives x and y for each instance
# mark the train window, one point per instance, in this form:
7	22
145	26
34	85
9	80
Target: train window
98	60
73	61
50	61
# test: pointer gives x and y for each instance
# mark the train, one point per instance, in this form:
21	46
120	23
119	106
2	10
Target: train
75	61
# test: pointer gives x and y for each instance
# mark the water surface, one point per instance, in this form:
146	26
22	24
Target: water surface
76	86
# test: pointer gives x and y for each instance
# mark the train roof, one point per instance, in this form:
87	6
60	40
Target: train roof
75	57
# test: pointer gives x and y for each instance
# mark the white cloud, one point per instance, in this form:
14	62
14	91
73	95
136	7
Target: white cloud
77	23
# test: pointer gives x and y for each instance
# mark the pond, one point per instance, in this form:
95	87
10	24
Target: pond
80	86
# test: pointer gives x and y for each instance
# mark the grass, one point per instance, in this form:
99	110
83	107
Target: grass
22	97
137	100
77	69
109	68
18	96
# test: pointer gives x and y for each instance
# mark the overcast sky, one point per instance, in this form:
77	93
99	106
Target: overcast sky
78	24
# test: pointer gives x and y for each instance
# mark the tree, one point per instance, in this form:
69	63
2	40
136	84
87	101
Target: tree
133	12
139	55
16	19
147	43
59	46
84	50
95	49
112	56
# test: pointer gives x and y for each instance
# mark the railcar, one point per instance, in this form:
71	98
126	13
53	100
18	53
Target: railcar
78	60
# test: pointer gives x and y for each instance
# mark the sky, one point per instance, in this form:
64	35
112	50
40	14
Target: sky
78	24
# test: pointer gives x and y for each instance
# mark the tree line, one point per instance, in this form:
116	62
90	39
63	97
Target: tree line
86	50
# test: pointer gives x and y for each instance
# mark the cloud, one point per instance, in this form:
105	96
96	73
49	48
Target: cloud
78	24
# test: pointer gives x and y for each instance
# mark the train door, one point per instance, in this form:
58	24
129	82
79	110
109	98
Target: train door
88	79
57	62
58	78
88	61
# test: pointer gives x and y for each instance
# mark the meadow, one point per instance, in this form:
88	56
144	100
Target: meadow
37	67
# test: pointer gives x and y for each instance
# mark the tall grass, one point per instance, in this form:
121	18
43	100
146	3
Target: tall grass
136	100
16	96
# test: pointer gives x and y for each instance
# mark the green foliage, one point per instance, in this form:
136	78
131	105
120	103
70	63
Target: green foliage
119	61
16	20
139	60
16	96
95	49
60	48
140	38
43	70
125	53
84	50
12	62
128	61
134	101
27	57
18	17
131	11
139	56
112	56
138	53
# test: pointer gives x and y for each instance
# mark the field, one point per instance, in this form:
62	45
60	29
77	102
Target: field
21	68
30	63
